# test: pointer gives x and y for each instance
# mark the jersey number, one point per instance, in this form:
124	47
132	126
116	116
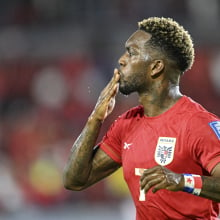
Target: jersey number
139	172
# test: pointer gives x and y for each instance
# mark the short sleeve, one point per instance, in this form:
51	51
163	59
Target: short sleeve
204	141
111	142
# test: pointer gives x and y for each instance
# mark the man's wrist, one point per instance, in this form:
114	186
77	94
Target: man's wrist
192	184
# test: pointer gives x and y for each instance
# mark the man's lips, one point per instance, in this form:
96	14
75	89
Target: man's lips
120	72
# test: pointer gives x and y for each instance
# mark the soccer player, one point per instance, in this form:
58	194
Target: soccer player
168	146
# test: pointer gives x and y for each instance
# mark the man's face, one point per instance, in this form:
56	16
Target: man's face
134	64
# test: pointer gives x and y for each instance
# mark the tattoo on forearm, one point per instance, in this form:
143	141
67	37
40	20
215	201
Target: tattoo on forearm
77	142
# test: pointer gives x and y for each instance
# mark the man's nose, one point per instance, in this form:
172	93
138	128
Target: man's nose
122	61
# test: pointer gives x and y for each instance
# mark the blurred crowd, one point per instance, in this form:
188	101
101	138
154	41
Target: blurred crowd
55	57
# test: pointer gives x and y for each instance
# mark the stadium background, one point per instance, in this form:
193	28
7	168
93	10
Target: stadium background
55	57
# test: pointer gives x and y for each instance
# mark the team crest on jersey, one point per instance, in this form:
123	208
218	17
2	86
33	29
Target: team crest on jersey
215	125
164	152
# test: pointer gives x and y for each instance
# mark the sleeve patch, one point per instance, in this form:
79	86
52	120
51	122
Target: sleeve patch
215	125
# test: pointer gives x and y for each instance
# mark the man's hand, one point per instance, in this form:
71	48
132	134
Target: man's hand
106	100
160	177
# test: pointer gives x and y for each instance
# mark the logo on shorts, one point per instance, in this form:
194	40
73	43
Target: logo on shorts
215	125
165	150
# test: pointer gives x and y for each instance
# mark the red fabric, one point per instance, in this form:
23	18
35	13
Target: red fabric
180	139
197	182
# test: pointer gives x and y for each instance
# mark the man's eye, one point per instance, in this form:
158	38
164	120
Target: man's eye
130	53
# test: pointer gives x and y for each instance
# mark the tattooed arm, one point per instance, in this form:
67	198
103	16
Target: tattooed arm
86	164
211	185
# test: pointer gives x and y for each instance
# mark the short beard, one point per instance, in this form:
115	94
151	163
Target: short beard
127	89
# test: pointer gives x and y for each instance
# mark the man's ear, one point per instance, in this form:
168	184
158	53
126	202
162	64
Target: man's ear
157	66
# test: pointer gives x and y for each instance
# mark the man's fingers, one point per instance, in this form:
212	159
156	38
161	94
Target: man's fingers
149	180
114	80
116	75
152	171
111	85
147	184
160	185
160	177
115	90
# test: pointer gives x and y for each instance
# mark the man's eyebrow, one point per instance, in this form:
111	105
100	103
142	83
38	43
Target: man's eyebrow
130	46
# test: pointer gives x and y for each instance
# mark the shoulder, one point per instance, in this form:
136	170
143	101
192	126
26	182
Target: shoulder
199	113
193	106
201	121
196	111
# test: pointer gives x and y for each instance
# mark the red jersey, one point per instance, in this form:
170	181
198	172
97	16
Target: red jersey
185	139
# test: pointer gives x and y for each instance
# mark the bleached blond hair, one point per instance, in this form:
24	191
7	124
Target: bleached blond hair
171	38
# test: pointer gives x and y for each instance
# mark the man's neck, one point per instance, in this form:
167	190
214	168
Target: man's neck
158	102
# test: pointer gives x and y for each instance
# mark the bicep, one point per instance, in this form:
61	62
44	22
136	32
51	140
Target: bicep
216	171
102	166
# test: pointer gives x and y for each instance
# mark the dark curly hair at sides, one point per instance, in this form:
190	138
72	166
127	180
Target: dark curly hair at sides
171	38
